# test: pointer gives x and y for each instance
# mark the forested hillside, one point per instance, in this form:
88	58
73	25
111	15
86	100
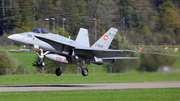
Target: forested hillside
145	21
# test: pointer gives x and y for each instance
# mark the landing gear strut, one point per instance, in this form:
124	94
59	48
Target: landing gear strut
59	70
41	56
84	70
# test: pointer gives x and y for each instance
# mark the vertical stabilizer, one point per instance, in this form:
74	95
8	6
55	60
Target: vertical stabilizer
105	41
83	37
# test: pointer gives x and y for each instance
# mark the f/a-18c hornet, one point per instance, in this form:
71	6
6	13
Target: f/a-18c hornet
61	49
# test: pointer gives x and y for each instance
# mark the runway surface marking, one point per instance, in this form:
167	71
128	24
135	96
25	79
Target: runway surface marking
52	87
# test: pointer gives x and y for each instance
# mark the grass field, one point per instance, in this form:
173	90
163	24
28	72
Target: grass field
100	77
153	94
91	78
26	58
158	94
11	47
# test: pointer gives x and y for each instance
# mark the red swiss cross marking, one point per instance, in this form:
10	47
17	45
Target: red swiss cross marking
105	37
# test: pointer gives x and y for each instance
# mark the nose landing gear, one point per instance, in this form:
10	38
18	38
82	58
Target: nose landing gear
41	63
41	56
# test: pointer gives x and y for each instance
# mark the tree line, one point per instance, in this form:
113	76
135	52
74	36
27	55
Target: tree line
141	21
138	22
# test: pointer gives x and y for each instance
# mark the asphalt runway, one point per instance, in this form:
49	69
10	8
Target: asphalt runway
53	87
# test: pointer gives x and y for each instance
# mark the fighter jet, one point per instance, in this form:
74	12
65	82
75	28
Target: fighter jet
61	49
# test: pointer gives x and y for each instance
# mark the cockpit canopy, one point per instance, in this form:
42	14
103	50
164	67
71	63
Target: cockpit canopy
40	30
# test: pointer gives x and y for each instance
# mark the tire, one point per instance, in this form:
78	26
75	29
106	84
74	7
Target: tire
85	72
38	63
43	63
58	71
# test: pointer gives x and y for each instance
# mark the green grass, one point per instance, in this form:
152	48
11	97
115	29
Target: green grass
157	46
11	47
157	94
177	63
26	58
91	78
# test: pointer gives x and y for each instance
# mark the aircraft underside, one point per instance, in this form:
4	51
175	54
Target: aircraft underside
58	58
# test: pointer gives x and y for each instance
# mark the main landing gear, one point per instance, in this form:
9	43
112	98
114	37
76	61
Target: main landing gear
59	70
84	70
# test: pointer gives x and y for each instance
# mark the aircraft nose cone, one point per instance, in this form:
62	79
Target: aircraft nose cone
10	37
15	37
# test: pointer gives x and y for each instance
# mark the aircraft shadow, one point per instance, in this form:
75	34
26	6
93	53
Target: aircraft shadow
46	86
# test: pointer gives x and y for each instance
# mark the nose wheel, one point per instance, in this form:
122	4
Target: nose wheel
41	56
41	63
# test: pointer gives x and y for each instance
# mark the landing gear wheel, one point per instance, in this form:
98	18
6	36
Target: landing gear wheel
38	63
85	72
43	63
58	71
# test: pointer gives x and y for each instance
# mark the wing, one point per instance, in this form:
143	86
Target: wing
55	39
58	43
101	53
